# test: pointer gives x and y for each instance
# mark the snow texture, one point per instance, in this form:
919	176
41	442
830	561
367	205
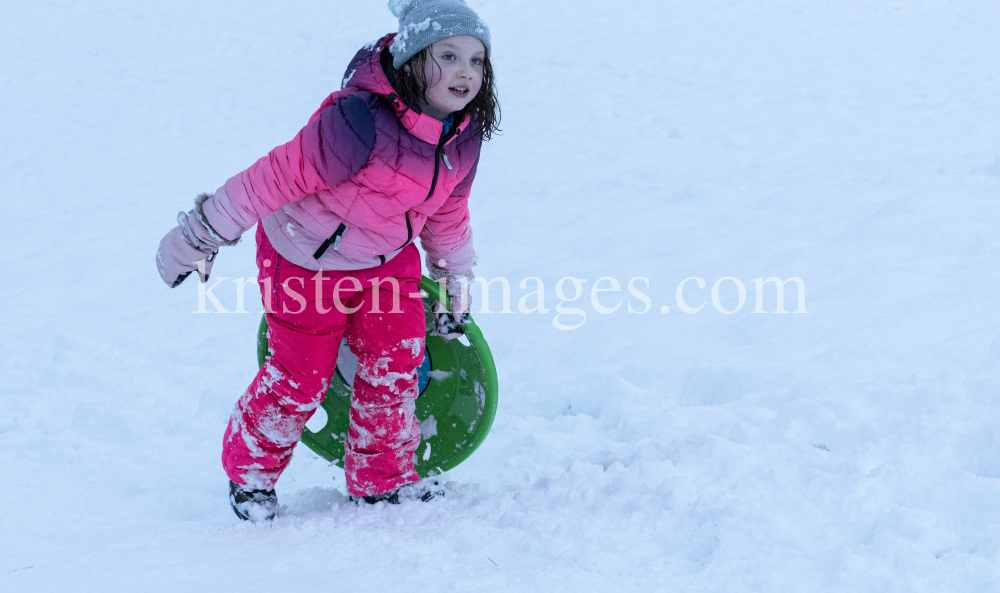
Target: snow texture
439	375
854	448
428	427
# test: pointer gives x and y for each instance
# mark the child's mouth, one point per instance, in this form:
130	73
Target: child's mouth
459	91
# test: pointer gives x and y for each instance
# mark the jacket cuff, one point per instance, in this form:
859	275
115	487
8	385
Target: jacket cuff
456	264
211	211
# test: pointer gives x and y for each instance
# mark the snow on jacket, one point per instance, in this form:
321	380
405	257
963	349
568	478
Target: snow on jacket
362	180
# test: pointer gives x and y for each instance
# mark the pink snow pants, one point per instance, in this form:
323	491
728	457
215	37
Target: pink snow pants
381	313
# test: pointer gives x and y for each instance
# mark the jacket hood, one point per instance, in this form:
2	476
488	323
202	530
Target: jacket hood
366	73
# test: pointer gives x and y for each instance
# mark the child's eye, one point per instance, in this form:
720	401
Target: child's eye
449	56
477	61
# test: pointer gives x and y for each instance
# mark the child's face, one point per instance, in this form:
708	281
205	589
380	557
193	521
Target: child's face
454	75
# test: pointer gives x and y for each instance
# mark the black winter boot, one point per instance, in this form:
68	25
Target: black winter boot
423	491
255	506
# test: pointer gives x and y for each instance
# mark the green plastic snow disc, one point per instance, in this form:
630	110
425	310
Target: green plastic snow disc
457	403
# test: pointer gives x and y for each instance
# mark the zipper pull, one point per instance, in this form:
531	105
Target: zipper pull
334	240
446	163
337	236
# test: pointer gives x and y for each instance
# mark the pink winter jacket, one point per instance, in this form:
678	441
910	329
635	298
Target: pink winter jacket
365	177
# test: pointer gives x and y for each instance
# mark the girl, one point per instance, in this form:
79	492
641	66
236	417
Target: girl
389	157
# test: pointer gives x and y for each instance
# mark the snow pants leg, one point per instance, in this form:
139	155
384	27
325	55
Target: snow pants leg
381	313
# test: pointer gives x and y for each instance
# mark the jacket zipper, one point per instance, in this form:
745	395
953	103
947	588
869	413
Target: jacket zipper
438	154
437	167
333	240
409	228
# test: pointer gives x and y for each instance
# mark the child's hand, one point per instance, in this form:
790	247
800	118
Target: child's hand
185	247
448	321
446	325
461	300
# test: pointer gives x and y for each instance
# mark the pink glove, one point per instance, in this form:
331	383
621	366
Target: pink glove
190	243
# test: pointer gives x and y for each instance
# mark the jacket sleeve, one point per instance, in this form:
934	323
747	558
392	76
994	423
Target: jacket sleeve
331	149
447	235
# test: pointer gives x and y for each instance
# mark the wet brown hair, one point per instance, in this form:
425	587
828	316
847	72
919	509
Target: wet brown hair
410	83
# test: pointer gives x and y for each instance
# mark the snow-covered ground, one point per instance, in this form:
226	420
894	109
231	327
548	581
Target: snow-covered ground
854	144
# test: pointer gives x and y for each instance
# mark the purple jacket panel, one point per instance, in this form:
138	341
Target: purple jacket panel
339	140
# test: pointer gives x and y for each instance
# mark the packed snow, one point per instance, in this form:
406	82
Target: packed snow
852	144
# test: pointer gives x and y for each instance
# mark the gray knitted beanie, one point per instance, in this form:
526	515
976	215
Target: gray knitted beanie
423	22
